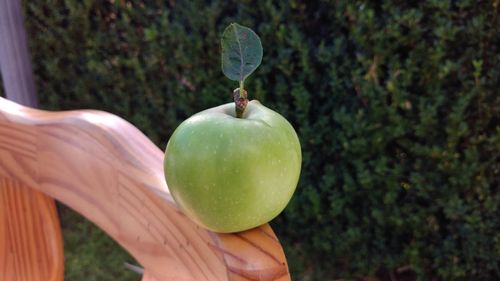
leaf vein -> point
(241, 52)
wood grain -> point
(30, 237)
(107, 170)
(148, 277)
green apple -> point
(230, 174)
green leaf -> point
(241, 52)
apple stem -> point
(241, 101)
(242, 87)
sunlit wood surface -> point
(107, 170)
(30, 238)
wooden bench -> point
(107, 170)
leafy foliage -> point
(396, 104)
(91, 255)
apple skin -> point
(231, 174)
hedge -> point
(396, 104)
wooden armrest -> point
(107, 170)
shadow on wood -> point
(30, 236)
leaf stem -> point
(242, 89)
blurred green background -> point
(396, 104)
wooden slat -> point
(30, 237)
(30, 240)
(107, 170)
(148, 277)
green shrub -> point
(91, 255)
(396, 105)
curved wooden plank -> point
(148, 277)
(30, 237)
(107, 170)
